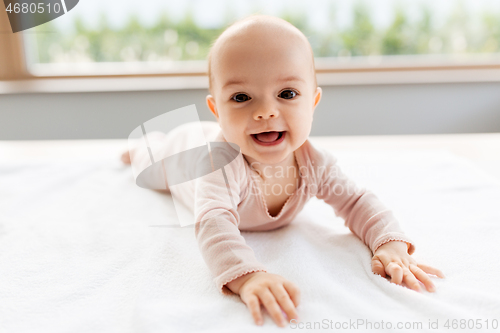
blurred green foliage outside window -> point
(168, 40)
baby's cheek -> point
(238, 140)
(302, 131)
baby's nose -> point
(265, 114)
(271, 115)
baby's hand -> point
(393, 259)
(272, 291)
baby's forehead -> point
(262, 33)
(256, 41)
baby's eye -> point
(288, 94)
(240, 98)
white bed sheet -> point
(82, 249)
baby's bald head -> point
(259, 30)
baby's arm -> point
(369, 219)
(235, 268)
(229, 258)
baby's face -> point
(264, 84)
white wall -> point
(344, 110)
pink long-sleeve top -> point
(219, 218)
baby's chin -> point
(268, 158)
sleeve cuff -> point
(233, 274)
(394, 237)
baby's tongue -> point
(267, 136)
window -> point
(124, 37)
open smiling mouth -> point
(269, 138)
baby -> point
(263, 93)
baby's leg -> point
(125, 157)
(153, 178)
(176, 141)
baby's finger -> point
(267, 298)
(431, 270)
(395, 272)
(378, 267)
(423, 277)
(284, 301)
(410, 280)
(252, 302)
(293, 291)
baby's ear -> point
(211, 105)
(317, 96)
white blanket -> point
(82, 249)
